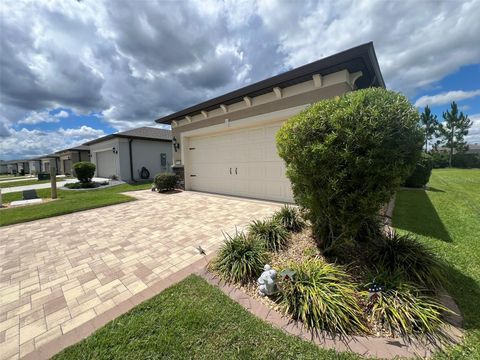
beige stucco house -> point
(68, 157)
(227, 144)
(123, 155)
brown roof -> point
(143, 133)
(360, 58)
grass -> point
(7, 184)
(193, 320)
(68, 202)
(447, 217)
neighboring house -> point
(12, 167)
(68, 157)
(124, 154)
(227, 144)
(473, 149)
(22, 165)
(48, 161)
(35, 166)
(3, 167)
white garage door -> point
(105, 164)
(243, 162)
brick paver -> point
(59, 273)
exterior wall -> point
(12, 168)
(280, 104)
(144, 153)
(147, 153)
(54, 161)
(3, 169)
(35, 166)
(107, 146)
(75, 156)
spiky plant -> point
(240, 259)
(404, 254)
(407, 312)
(323, 297)
(290, 218)
(270, 232)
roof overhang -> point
(358, 59)
(113, 136)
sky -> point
(75, 70)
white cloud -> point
(24, 143)
(38, 117)
(61, 114)
(446, 98)
(473, 136)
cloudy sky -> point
(73, 70)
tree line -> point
(450, 133)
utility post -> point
(53, 180)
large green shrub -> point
(404, 256)
(165, 182)
(84, 171)
(290, 218)
(421, 174)
(346, 156)
(323, 297)
(240, 259)
(270, 232)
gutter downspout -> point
(131, 160)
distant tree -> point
(453, 131)
(430, 124)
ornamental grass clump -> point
(403, 254)
(346, 156)
(290, 218)
(270, 232)
(407, 312)
(240, 259)
(323, 297)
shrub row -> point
(466, 161)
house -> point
(227, 144)
(23, 167)
(3, 167)
(473, 149)
(125, 154)
(12, 167)
(35, 166)
(47, 161)
(68, 157)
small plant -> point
(290, 218)
(240, 259)
(323, 297)
(407, 312)
(84, 171)
(403, 254)
(269, 232)
(165, 182)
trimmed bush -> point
(165, 182)
(323, 297)
(240, 259)
(465, 161)
(290, 218)
(269, 232)
(421, 174)
(84, 171)
(403, 254)
(407, 312)
(347, 155)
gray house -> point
(47, 161)
(227, 144)
(68, 157)
(123, 155)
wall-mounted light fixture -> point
(176, 145)
(115, 151)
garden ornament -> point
(266, 281)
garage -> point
(105, 164)
(241, 163)
(227, 144)
(67, 167)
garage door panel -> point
(252, 152)
(105, 163)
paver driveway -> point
(58, 273)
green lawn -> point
(7, 184)
(447, 217)
(193, 320)
(68, 202)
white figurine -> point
(266, 281)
